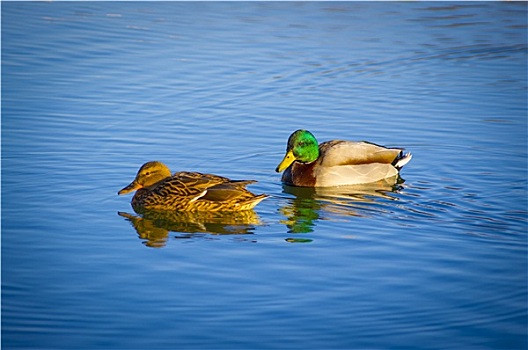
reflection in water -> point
(153, 226)
(305, 209)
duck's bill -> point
(134, 186)
(289, 158)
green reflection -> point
(302, 211)
(153, 226)
(299, 240)
(312, 204)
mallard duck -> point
(338, 163)
(156, 188)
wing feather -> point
(340, 153)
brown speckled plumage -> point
(189, 191)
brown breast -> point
(300, 174)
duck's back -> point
(338, 153)
(350, 163)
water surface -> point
(92, 90)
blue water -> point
(92, 90)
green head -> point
(302, 147)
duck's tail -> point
(401, 160)
(251, 202)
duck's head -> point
(302, 147)
(149, 174)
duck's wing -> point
(188, 184)
(210, 187)
(229, 191)
(199, 179)
(342, 153)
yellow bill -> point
(289, 158)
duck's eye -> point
(147, 173)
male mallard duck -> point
(156, 188)
(337, 163)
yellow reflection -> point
(310, 204)
(153, 226)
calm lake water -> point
(92, 90)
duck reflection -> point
(310, 204)
(154, 226)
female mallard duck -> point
(337, 163)
(156, 188)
